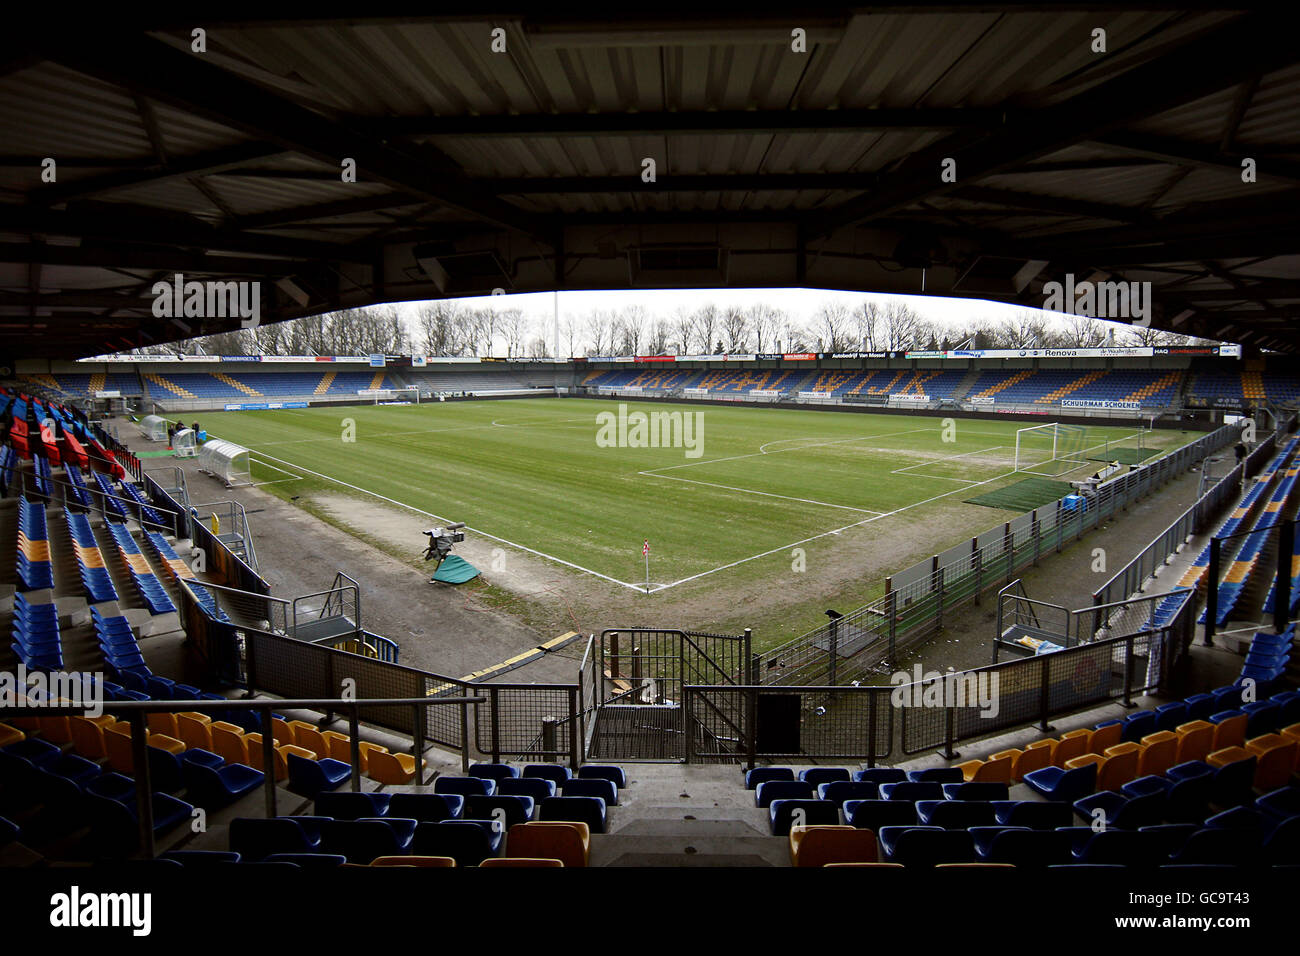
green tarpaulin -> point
(455, 570)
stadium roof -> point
(524, 169)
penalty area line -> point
(484, 534)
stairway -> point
(1150, 389)
(966, 384)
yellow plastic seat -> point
(308, 736)
(568, 842)
(1276, 758)
(815, 846)
(253, 748)
(997, 769)
(384, 767)
(1227, 755)
(163, 723)
(87, 738)
(1072, 744)
(883, 866)
(117, 747)
(1195, 740)
(1293, 733)
(520, 862)
(1036, 756)
(1159, 753)
(1102, 737)
(55, 729)
(431, 861)
(228, 742)
(169, 744)
(11, 735)
(975, 866)
(1121, 766)
(193, 728)
(1230, 733)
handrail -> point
(137, 710)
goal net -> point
(1051, 450)
(391, 395)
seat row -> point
(95, 578)
(146, 582)
(35, 634)
(180, 571)
(76, 486)
(34, 568)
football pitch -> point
(577, 481)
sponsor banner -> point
(260, 406)
(982, 400)
(903, 397)
(241, 358)
(634, 389)
(814, 394)
(800, 356)
(767, 357)
(419, 361)
(1098, 403)
(927, 354)
(448, 360)
(109, 393)
(291, 358)
(740, 358)
(695, 391)
(1230, 351)
(1118, 352)
(1013, 411)
(170, 358)
(1228, 403)
(324, 358)
(701, 358)
(765, 392)
(378, 361)
(656, 358)
(854, 355)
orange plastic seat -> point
(1227, 755)
(1195, 740)
(432, 861)
(389, 768)
(997, 769)
(162, 723)
(1276, 758)
(815, 846)
(1072, 744)
(1230, 732)
(341, 749)
(1036, 756)
(169, 744)
(1102, 737)
(11, 735)
(1121, 766)
(228, 742)
(193, 728)
(308, 736)
(87, 737)
(117, 747)
(1159, 753)
(527, 862)
(568, 842)
(975, 866)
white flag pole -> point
(645, 550)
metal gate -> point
(636, 687)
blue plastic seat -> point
(936, 775)
(1029, 848)
(763, 774)
(308, 861)
(349, 805)
(880, 775)
(911, 791)
(1135, 848)
(1057, 783)
(1138, 724)
(782, 790)
(874, 814)
(588, 810)
(554, 772)
(210, 787)
(464, 841)
(782, 814)
(197, 859)
(1218, 846)
(510, 810)
(1280, 804)
(1172, 835)
(976, 790)
(955, 814)
(256, 838)
(309, 778)
(465, 786)
(1120, 811)
(1282, 846)
(840, 790)
(603, 772)
(493, 771)
(428, 807)
(593, 787)
(926, 846)
(360, 841)
(538, 788)
(819, 775)
(1033, 814)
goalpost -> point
(1051, 450)
(381, 395)
(1055, 449)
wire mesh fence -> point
(919, 598)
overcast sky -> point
(800, 303)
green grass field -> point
(532, 473)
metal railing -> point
(136, 714)
(919, 599)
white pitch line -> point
(795, 544)
(757, 454)
(768, 494)
(926, 464)
(426, 431)
(430, 514)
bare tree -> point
(706, 322)
(899, 325)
